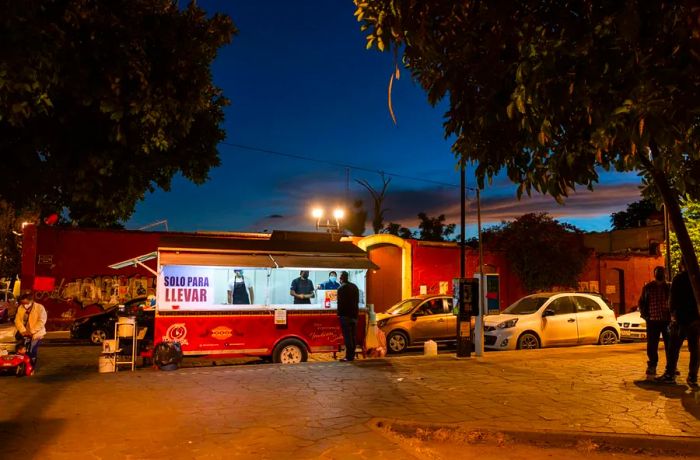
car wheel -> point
(290, 351)
(607, 337)
(528, 341)
(97, 336)
(397, 342)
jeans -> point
(33, 351)
(654, 329)
(349, 327)
(690, 332)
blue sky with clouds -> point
(301, 83)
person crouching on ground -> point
(654, 309)
(31, 323)
(348, 311)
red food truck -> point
(231, 297)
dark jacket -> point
(348, 300)
(682, 301)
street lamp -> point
(331, 224)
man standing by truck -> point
(348, 311)
(31, 323)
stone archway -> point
(392, 282)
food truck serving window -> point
(201, 288)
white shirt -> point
(36, 323)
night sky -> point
(301, 84)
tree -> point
(636, 215)
(103, 101)
(541, 251)
(399, 230)
(549, 91)
(378, 198)
(434, 228)
(357, 219)
(691, 216)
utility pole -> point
(464, 323)
(479, 324)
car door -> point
(589, 317)
(430, 322)
(560, 328)
(450, 320)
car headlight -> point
(382, 322)
(507, 324)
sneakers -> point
(651, 371)
(666, 378)
(692, 382)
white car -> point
(552, 319)
(632, 326)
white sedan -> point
(552, 319)
(632, 326)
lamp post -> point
(331, 223)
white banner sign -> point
(183, 287)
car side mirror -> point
(416, 314)
(548, 312)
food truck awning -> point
(227, 252)
(139, 260)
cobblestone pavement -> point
(323, 409)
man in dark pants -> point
(654, 309)
(348, 311)
(686, 325)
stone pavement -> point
(324, 409)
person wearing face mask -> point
(302, 288)
(240, 290)
(332, 282)
(31, 323)
(654, 309)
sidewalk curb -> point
(636, 443)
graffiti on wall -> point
(104, 290)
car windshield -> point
(526, 306)
(404, 307)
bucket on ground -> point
(430, 348)
(106, 363)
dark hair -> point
(333, 273)
(344, 274)
(26, 295)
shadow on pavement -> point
(690, 399)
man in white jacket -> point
(31, 322)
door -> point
(431, 321)
(561, 328)
(451, 320)
(384, 285)
(589, 317)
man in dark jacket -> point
(348, 311)
(685, 325)
(654, 309)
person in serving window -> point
(240, 289)
(302, 288)
(332, 282)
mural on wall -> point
(103, 290)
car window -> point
(562, 306)
(584, 304)
(432, 307)
(448, 305)
(526, 305)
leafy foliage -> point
(549, 91)
(434, 228)
(394, 228)
(103, 101)
(691, 215)
(356, 219)
(636, 215)
(543, 252)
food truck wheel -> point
(290, 351)
(397, 341)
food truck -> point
(231, 297)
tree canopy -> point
(636, 215)
(103, 101)
(550, 91)
(543, 252)
(691, 215)
(434, 228)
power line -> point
(337, 164)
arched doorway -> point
(392, 282)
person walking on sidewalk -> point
(31, 323)
(685, 325)
(654, 309)
(348, 311)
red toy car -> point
(18, 363)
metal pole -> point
(464, 337)
(667, 237)
(479, 324)
(462, 220)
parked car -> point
(416, 320)
(100, 326)
(552, 319)
(632, 326)
(8, 306)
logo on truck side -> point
(221, 333)
(176, 333)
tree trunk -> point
(675, 214)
